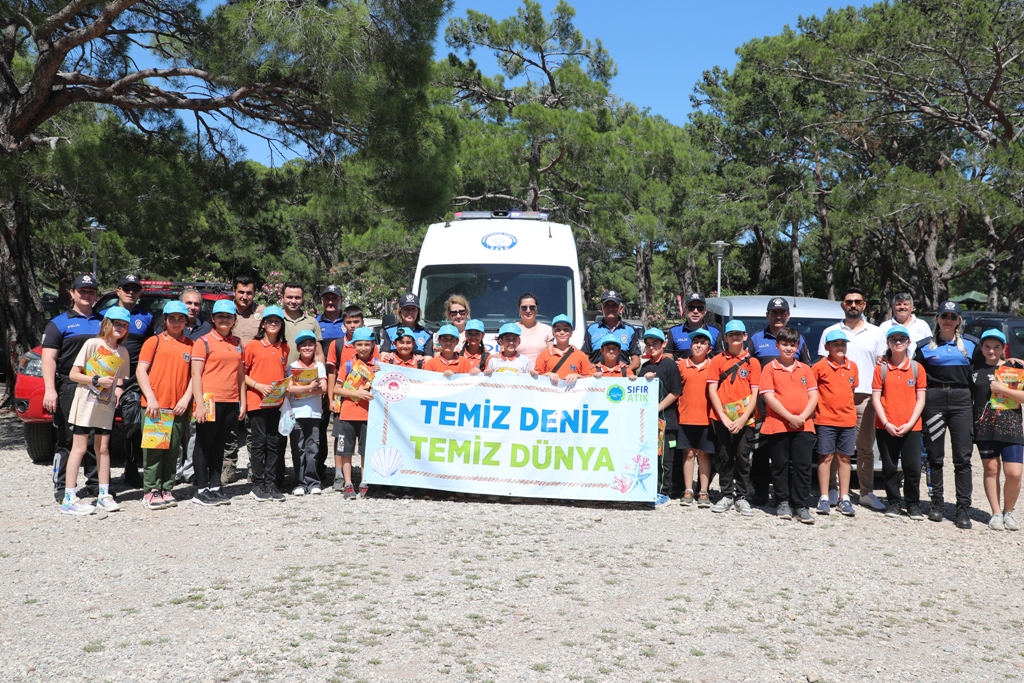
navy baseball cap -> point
(128, 280)
(611, 295)
(83, 281)
(332, 289)
(408, 299)
(695, 298)
(949, 307)
(778, 304)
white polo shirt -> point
(866, 344)
(918, 330)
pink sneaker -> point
(169, 499)
(153, 500)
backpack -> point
(913, 368)
(734, 370)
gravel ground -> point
(321, 589)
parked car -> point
(1011, 326)
(40, 437)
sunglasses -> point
(273, 321)
(527, 308)
(695, 308)
(948, 316)
(132, 290)
(898, 340)
(459, 312)
(854, 302)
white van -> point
(492, 258)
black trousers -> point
(732, 460)
(208, 460)
(666, 462)
(950, 408)
(263, 445)
(790, 454)
(905, 449)
(321, 454)
(65, 396)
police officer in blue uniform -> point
(611, 323)
(678, 343)
(947, 359)
(332, 327)
(140, 328)
(408, 316)
(63, 339)
(761, 345)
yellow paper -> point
(104, 363)
(359, 377)
(736, 408)
(276, 396)
(1013, 378)
(305, 375)
(156, 433)
(210, 406)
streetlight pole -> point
(719, 255)
(94, 229)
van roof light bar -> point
(519, 215)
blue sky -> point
(661, 48)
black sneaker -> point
(205, 498)
(914, 512)
(222, 498)
(783, 511)
(804, 515)
(260, 493)
(274, 494)
(935, 514)
(893, 510)
(963, 519)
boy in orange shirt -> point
(898, 395)
(611, 364)
(562, 361)
(836, 419)
(165, 378)
(791, 396)
(695, 435)
(733, 379)
(447, 361)
(350, 426)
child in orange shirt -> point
(898, 395)
(611, 364)
(562, 361)
(836, 419)
(791, 395)
(695, 434)
(447, 361)
(733, 379)
(350, 425)
(265, 359)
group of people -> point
(749, 408)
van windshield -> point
(493, 291)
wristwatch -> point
(95, 380)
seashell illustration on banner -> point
(386, 461)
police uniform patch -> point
(138, 324)
(624, 338)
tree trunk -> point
(1016, 276)
(991, 251)
(827, 256)
(764, 266)
(644, 286)
(855, 261)
(21, 314)
(798, 271)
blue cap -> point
(656, 333)
(561, 318)
(700, 333)
(118, 313)
(273, 310)
(475, 325)
(303, 335)
(735, 326)
(225, 306)
(364, 334)
(449, 330)
(994, 334)
(611, 339)
(402, 332)
(172, 307)
(836, 335)
(897, 329)
(510, 328)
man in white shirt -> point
(903, 314)
(867, 343)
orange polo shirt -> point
(220, 365)
(439, 364)
(899, 395)
(742, 384)
(615, 371)
(264, 363)
(693, 403)
(577, 362)
(473, 359)
(352, 410)
(170, 367)
(836, 384)
(792, 386)
(412, 361)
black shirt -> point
(671, 383)
(990, 424)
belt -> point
(946, 385)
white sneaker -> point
(76, 507)
(107, 503)
(298, 491)
(1010, 522)
(315, 491)
(871, 501)
(996, 523)
(833, 497)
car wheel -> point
(40, 440)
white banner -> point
(514, 435)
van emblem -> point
(499, 241)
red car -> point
(40, 438)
